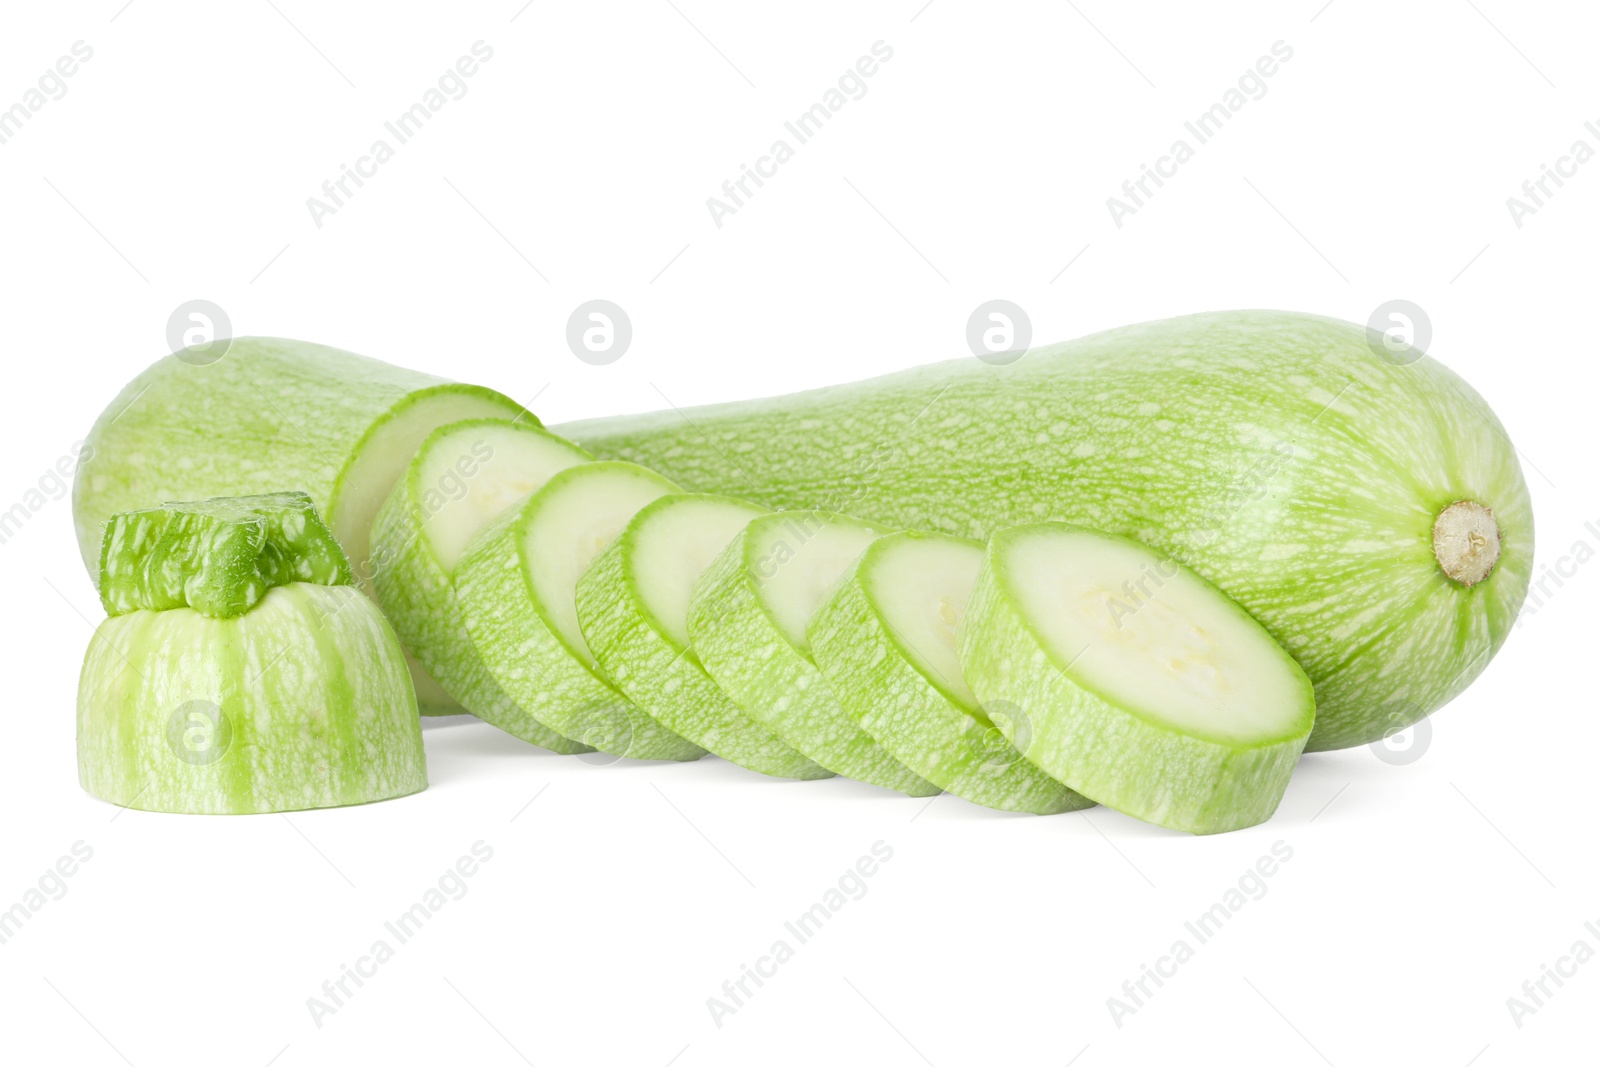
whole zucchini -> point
(1369, 511)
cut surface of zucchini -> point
(1134, 680)
(464, 475)
(633, 604)
(747, 621)
(886, 642)
(517, 582)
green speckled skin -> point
(775, 682)
(1141, 767)
(270, 415)
(1275, 453)
(916, 719)
(665, 677)
(545, 678)
(310, 683)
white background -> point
(1377, 166)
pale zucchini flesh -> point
(385, 453)
(747, 622)
(886, 642)
(633, 606)
(464, 476)
(516, 582)
(1134, 680)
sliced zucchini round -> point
(516, 581)
(1134, 680)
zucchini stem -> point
(1466, 542)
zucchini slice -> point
(517, 585)
(1136, 682)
